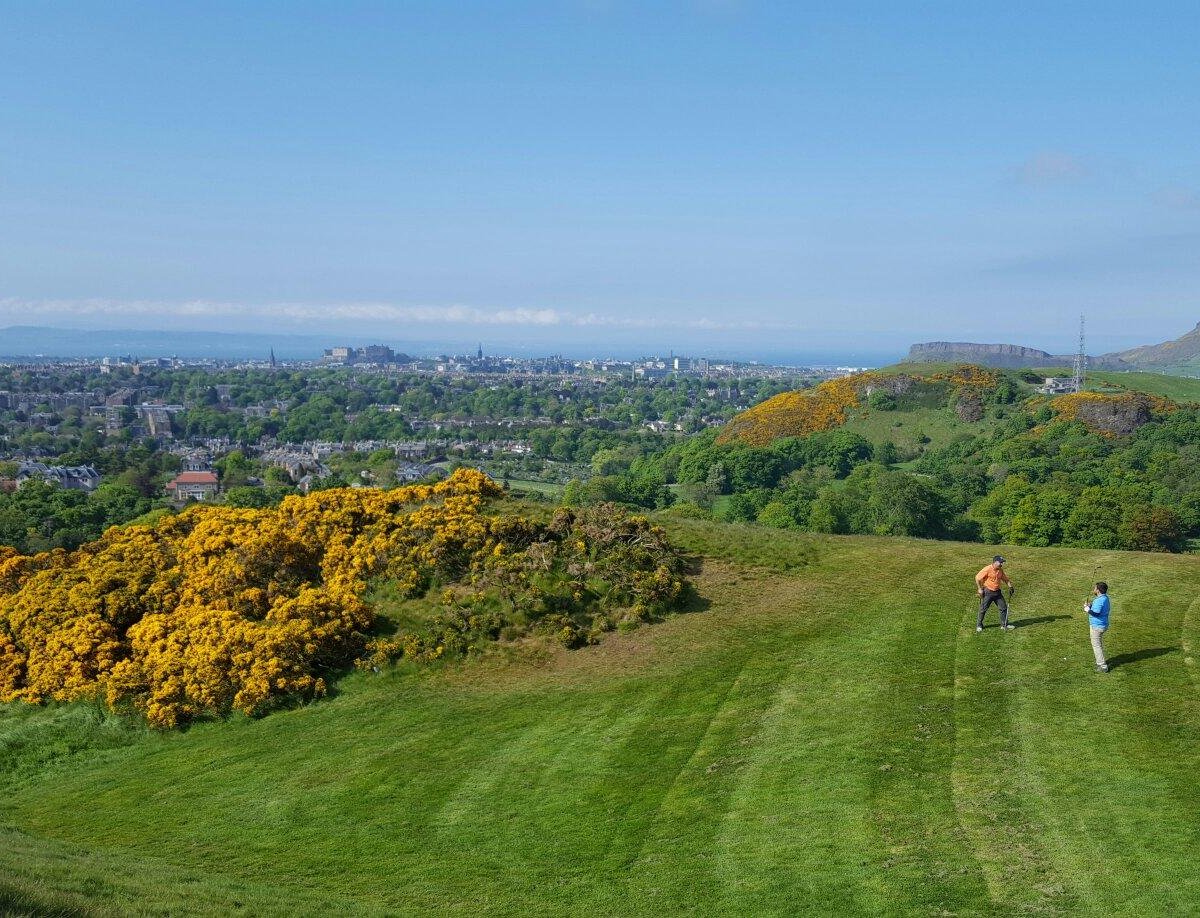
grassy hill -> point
(1181, 355)
(824, 732)
(927, 423)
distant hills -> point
(1008, 356)
(1181, 354)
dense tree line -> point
(40, 516)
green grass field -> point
(824, 733)
(1177, 388)
(527, 485)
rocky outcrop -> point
(1117, 415)
(900, 384)
(1007, 356)
(969, 406)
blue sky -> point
(704, 174)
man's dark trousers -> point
(989, 597)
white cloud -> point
(1050, 167)
(32, 311)
(1178, 197)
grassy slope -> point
(941, 425)
(829, 734)
(904, 428)
(1189, 368)
(1177, 388)
(537, 487)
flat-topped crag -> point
(1009, 356)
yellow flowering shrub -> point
(571, 579)
(827, 405)
(221, 609)
(969, 376)
(797, 413)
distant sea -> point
(35, 341)
(31, 341)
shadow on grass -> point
(1040, 620)
(691, 601)
(1123, 659)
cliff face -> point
(1008, 356)
(991, 355)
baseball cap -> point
(999, 558)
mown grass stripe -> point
(927, 864)
(997, 803)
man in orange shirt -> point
(989, 583)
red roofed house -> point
(193, 486)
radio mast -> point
(1080, 360)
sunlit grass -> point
(824, 733)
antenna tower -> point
(1080, 360)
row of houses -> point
(70, 477)
(198, 482)
(496, 448)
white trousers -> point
(1098, 644)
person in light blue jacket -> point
(1097, 609)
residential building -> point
(124, 397)
(188, 486)
(406, 472)
(71, 477)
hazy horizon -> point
(51, 342)
(62, 342)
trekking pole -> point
(1088, 602)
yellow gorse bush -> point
(826, 406)
(799, 413)
(220, 609)
(969, 376)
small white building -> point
(1057, 385)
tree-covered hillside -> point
(959, 453)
